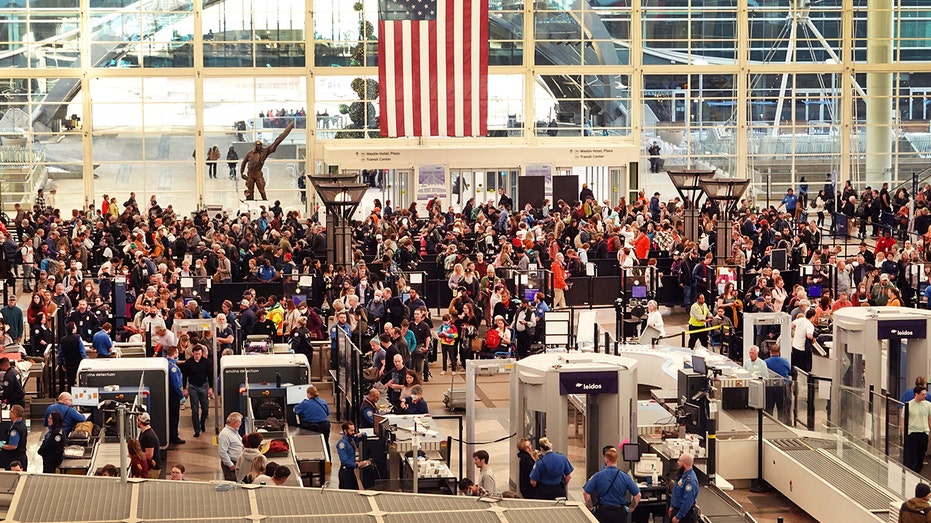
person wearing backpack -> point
(917, 509)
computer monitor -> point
(530, 294)
(814, 291)
(380, 426)
(638, 291)
(631, 452)
(698, 365)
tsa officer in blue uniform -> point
(314, 414)
(14, 449)
(551, 473)
(175, 393)
(606, 492)
(346, 448)
(684, 493)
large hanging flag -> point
(433, 67)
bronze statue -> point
(255, 160)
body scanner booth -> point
(882, 347)
(543, 385)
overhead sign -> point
(596, 382)
(890, 329)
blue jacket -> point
(684, 493)
(70, 416)
(550, 469)
(174, 377)
(346, 449)
(312, 410)
(102, 344)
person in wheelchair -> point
(497, 339)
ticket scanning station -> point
(882, 347)
(605, 386)
(124, 380)
(765, 329)
(262, 379)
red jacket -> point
(559, 276)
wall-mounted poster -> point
(431, 181)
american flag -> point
(433, 67)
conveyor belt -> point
(815, 457)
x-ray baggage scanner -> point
(603, 386)
(272, 370)
(120, 379)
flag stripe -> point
(383, 29)
(480, 79)
(465, 128)
(400, 60)
(423, 80)
(433, 80)
(433, 68)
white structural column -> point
(635, 87)
(879, 47)
(846, 96)
(310, 157)
(743, 88)
(87, 115)
(200, 150)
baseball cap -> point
(244, 303)
(144, 418)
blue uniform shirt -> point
(334, 334)
(600, 487)
(346, 449)
(368, 414)
(174, 377)
(779, 365)
(70, 416)
(17, 434)
(550, 469)
(102, 344)
(684, 493)
(312, 410)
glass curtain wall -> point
(109, 96)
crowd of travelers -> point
(68, 263)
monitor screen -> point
(638, 291)
(405, 297)
(631, 452)
(814, 291)
(530, 294)
(380, 426)
(698, 365)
